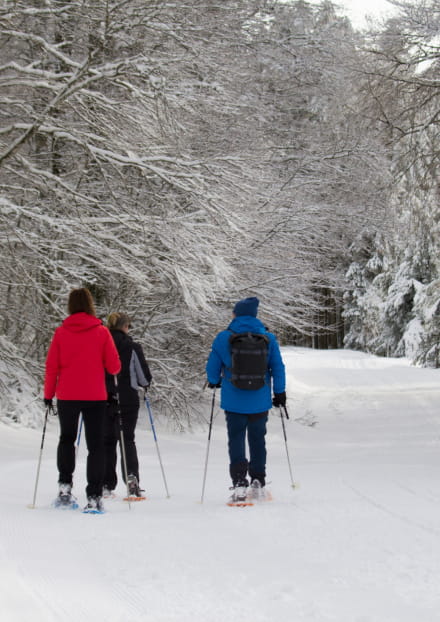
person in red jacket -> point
(81, 351)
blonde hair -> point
(117, 320)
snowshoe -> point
(65, 499)
(94, 505)
(258, 493)
(107, 493)
(135, 493)
(239, 496)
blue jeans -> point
(255, 426)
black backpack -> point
(249, 354)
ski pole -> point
(150, 415)
(207, 447)
(32, 505)
(285, 443)
(78, 438)
(122, 442)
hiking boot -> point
(133, 487)
(257, 491)
(107, 493)
(65, 498)
(65, 490)
(239, 492)
(94, 505)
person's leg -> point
(236, 425)
(129, 421)
(111, 435)
(68, 415)
(257, 447)
(93, 415)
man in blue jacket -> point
(246, 410)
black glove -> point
(213, 385)
(279, 399)
(145, 388)
(48, 403)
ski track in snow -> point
(358, 541)
(385, 507)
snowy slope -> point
(358, 541)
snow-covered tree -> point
(98, 187)
(174, 157)
(400, 81)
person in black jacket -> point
(134, 373)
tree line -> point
(175, 157)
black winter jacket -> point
(134, 371)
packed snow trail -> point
(358, 541)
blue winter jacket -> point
(219, 365)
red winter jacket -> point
(82, 350)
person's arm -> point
(214, 365)
(52, 368)
(112, 362)
(276, 367)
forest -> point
(174, 157)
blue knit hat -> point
(248, 306)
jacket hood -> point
(79, 322)
(247, 323)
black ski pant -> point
(112, 436)
(93, 413)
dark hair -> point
(81, 300)
(117, 320)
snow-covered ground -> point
(358, 541)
